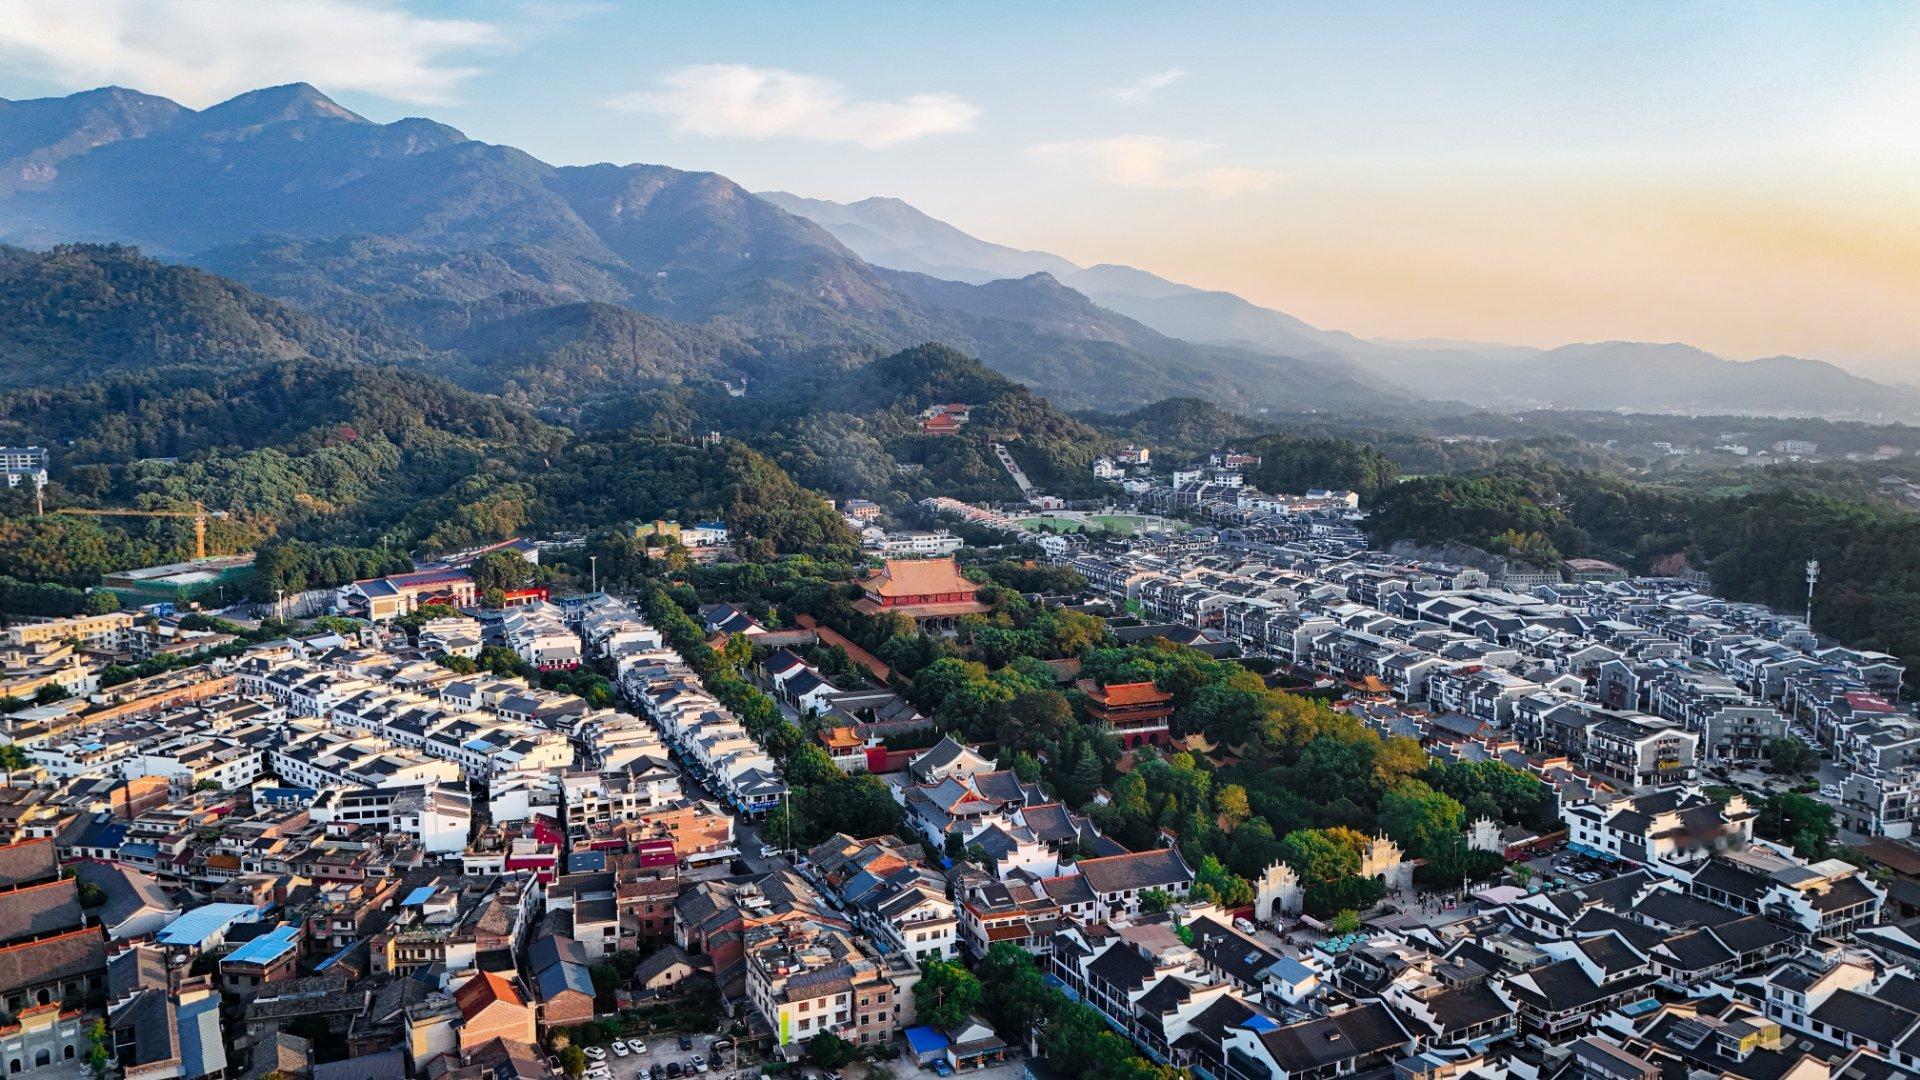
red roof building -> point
(926, 590)
(1138, 713)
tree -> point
(573, 1061)
(1346, 922)
(946, 994)
(1326, 897)
(1803, 823)
(1035, 720)
(462, 665)
(99, 1049)
(1318, 856)
(1231, 804)
(1017, 996)
(1225, 888)
(1421, 820)
(1155, 901)
(12, 759)
(830, 1051)
(1791, 757)
(736, 654)
(207, 785)
(101, 602)
(503, 570)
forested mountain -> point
(390, 228)
(81, 312)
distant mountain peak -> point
(277, 104)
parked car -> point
(1589, 877)
(686, 1041)
(620, 1049)
(719, 1045)
(673, 1070)
(941, 1068)
(637, 1046)
(595, 1052)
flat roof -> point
(203, 922)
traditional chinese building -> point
(1138, 713)
(925, 590)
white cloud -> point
(1152, 161)
(1142, 89)
(201, 51)
(766, 103)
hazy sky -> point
(1745, 177)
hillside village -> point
(722, 841)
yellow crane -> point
(199, 514)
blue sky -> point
(1742, 176)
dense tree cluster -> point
(1291, 463)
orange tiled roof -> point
(918, 577)
(482, 990)
(1133, 693)
(840, 738)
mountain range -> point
(412, 231)
(1637, 376)
(570, 285)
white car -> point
(1829, 791)
(620, 1049)
(636, 1046)
(594, 1052)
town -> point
(443, 829)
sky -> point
(1743, 177)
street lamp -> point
(593, 562)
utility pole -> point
(593, 563)
(1813, 575)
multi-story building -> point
(806, 978)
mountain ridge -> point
(1483, 374)
(398, 227)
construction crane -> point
(199, 514)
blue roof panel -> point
(266, 948)
(196, 926)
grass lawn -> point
(1125, 524)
